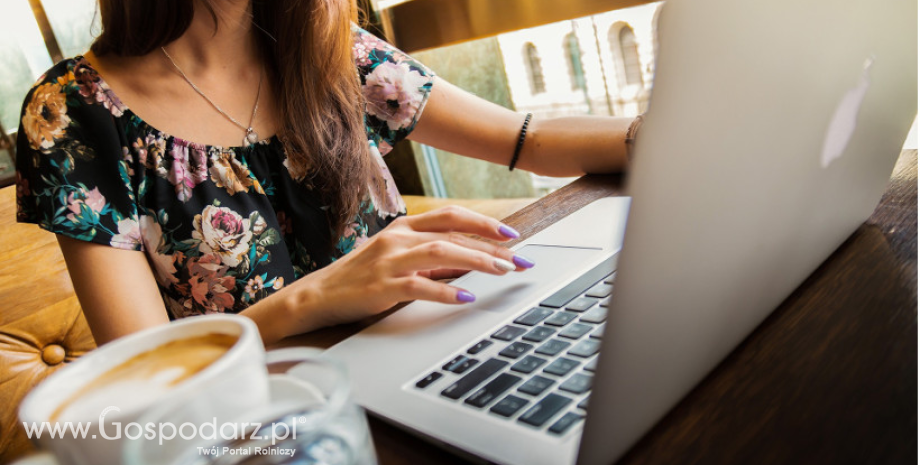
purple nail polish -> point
(464, 296)
(509, 232)
(523, 262)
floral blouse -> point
(222, 227)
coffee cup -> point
(84, 412)
(312, 419)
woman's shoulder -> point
(63, 100)
(60, 72)
(76, 82)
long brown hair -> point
(307, 45)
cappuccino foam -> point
(145, 377)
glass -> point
(312, 420)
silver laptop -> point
(772, 131)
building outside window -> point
(576, 70)
(626, 50)
(534, 69)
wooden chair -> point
(41, 324)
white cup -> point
(235, 383)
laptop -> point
(772, 131)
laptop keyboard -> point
(536, 370)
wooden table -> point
(829, 377)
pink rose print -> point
(222, 232)
(94, 90)
(189, 168)
(92, 199)
(129, 235)
(392, 93)
(163, 264)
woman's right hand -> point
(401, 263)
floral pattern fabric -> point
(222, 227)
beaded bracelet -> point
(520, 142)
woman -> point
(297, 231)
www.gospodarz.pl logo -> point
(165, 431)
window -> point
(626, 53)
(573, 55)
(534, 69)
(75, 24)
(24, 58)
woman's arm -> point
(116, 288)
(119, 294)
(460, 122)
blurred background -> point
(547, 58)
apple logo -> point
(844, 121)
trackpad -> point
(554, 265)
(495, 295)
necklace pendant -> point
(251, 137)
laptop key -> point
(460, 364)
(574, 289)
(463, 366)
(553, 347)
(563, 424)
(592, 365)
(606, 302)
(479, 347)
(516, 349)
(561, 318)
(534, 316)
(540, 413)
(600, 290)
(576, 331)
(584, 403)
(598, 332)
(473, 378)
(426, 381)
(509, 405)
(595, 315)
(609, 279)
(578, 384)
(528, 364)
(586, 348)
(453, 361)
(539, 334)
(536, 385)
(561, 366)
(493, 389)
(581, 304)
(509, 333)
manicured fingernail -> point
(464, 296)
(504, 265)
(508, 232)
(523, 262)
